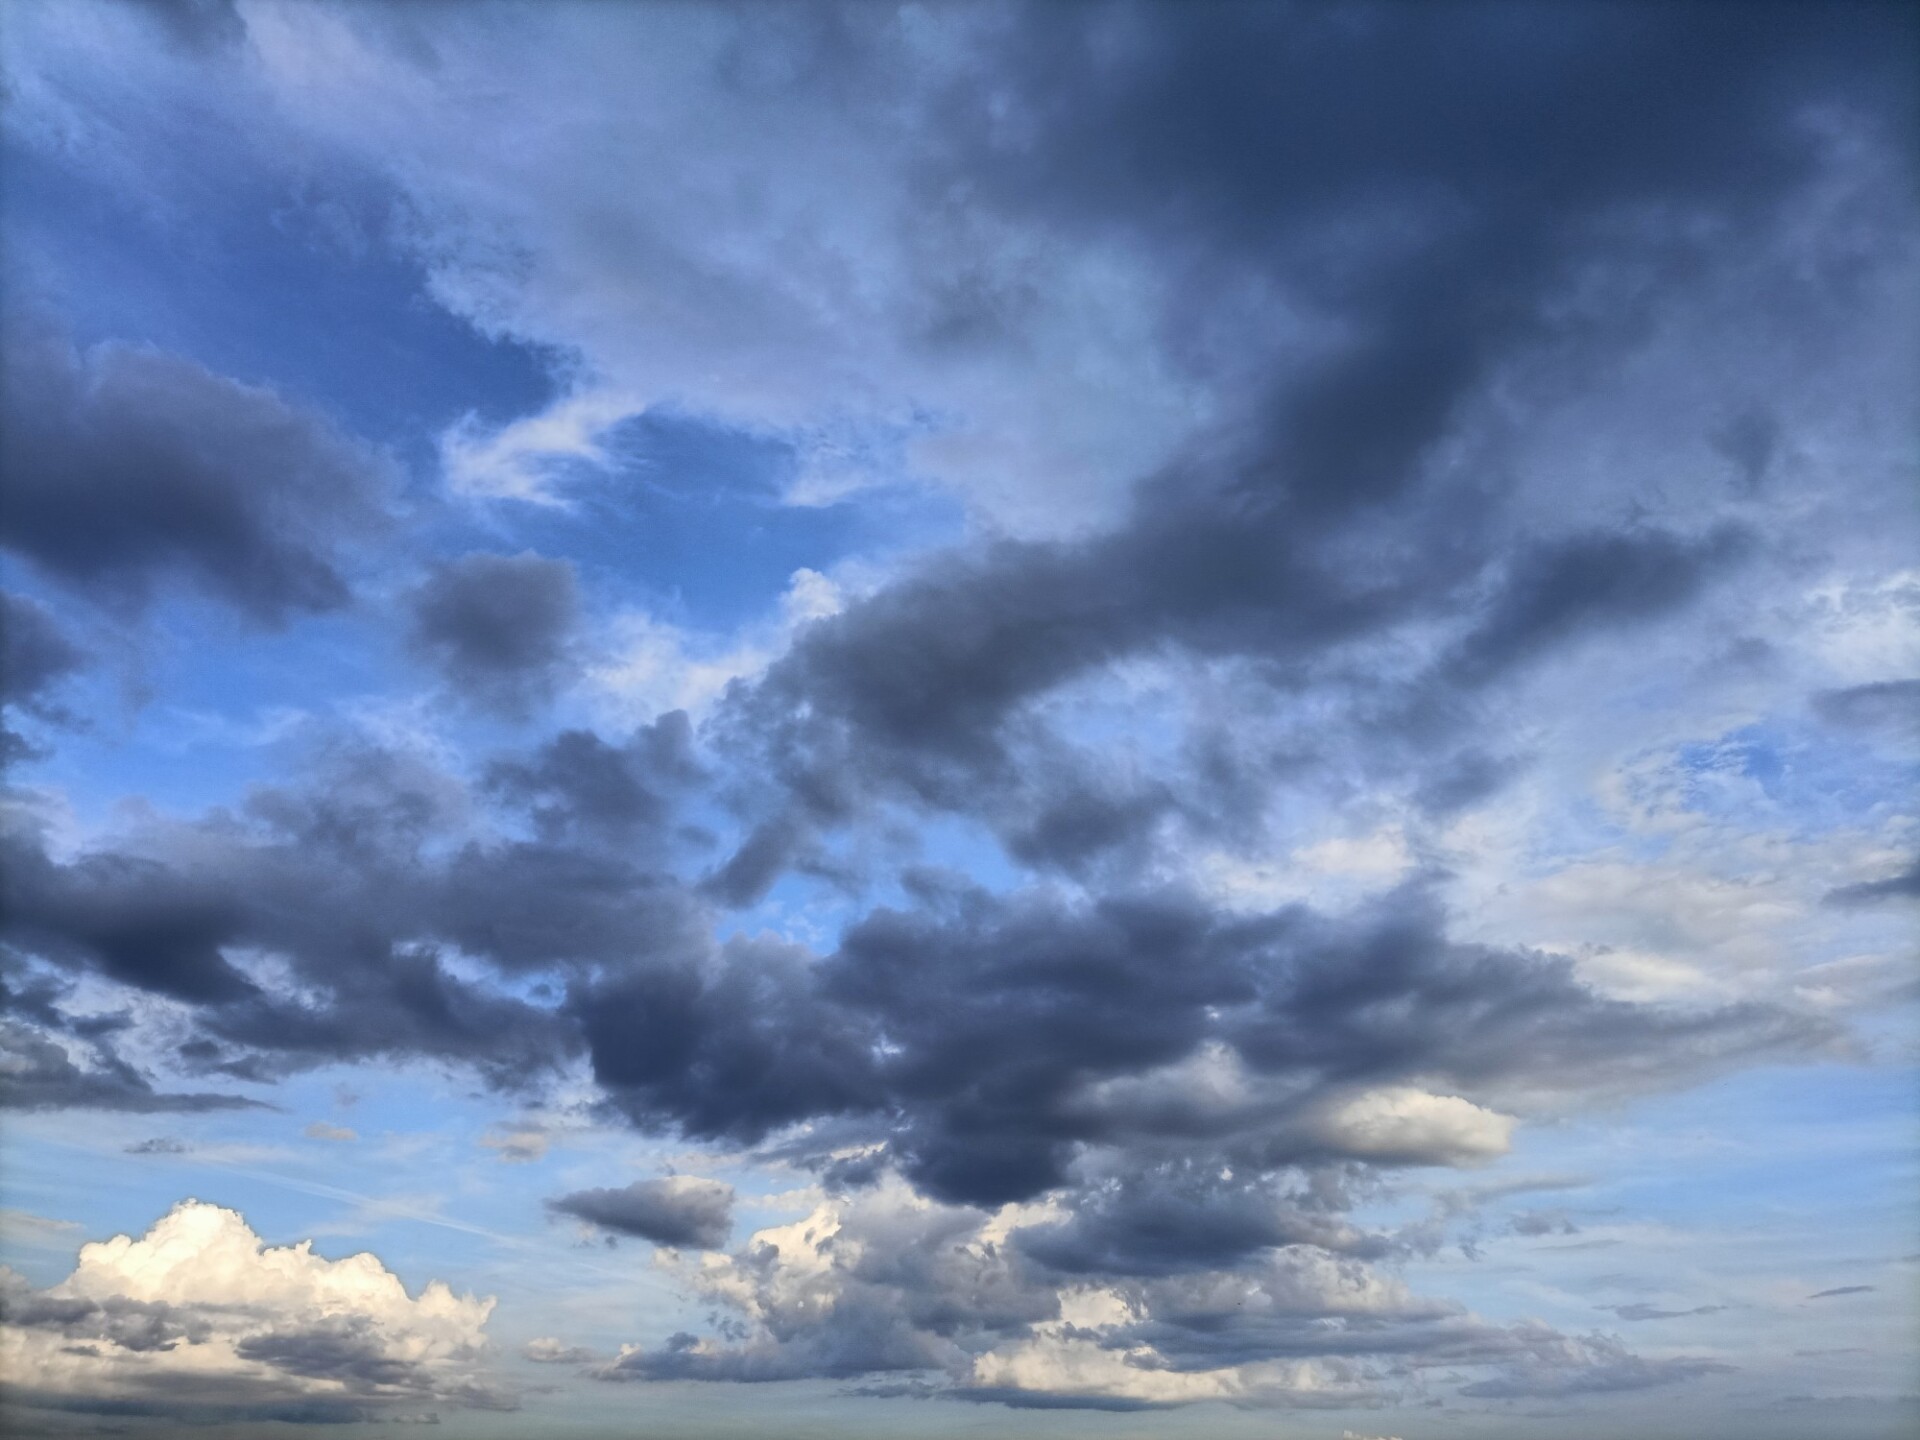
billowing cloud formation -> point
(198, 1318)
(1410, 669)
(679, 1211)
(127, 467)
(890, 1282)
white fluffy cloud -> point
(1401, 1125)
(199, 1318)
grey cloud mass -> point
(35, 656)
(680, 1210)
(497, 626)
(127, 467)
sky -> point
(951, 720)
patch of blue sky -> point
(353, 329)
(1850, 1127)
(688, 518)
(1779, 773)
(233, 696)
(1686, 1204)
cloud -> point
(1598, 1366)
(23, 1227)
(37, 1072)
(35, 657)
(158, 1145)
(1311, 558)
(517, 1144)
(321, 1130)
(889, 1282)
(678, 1211)
(128, 468)
(1556, 590)
(198, 1318)
(546, 1350)
(498, 627)
(36, 654)
(1840, 1290)
(1654, 1312)
(1543, 1222)
(1903, 886)
(134, 919)
(1404, 1125)
(1887, 706)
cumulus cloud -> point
(127, 468)
(497, 626)
(679, 1211)
(1404, 1125)
(887, 1282)
(199, 1318)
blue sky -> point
(959, 719)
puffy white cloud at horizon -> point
(198, 1315)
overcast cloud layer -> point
(754, 719)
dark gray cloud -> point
(345, 1350)
(40, 1074)
(134, 1325)
(1644, 1311)
(1180, 1216)
(350, 879)
(972, 1032)
(35, 656)
(499, 627)
(579, 786)
(159, 1145)
(126, 468)
(1904, 885)
(678, 1211)
(1556, 590)
(1001, 1018)
(1840, 1290)
(1242, 140)
(1889, 706)
(133, 919)
(1543, 1222)
(34, 653)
